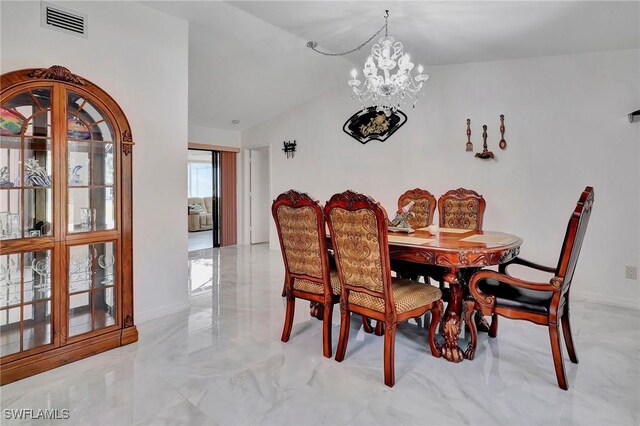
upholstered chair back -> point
(423, 208)
(300, 225)
(461, 208)
(358, 227)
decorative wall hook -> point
(485, 154)
(469, 144)
(634, 116)
(290, 148)
(502, 144)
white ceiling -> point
(248, 60)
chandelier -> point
(388, 81)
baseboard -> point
(605, 300)
(161, 311)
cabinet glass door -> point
(91, 163)
(26, 159)
(25, 301)
(92, 284)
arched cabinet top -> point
(16, 80)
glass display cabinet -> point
(66, 281)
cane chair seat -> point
(407, 294)
(316, 287)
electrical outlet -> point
(631, 272)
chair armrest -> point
(487, 301)
(519, 261)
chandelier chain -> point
(313, 44)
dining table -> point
(455, 250)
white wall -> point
(140, 57)
(213, 136)
(566, 127)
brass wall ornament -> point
(469, 144)
(502, 144)
(485, 154)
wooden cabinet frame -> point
(63, 348)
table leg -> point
(452, 318)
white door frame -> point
(247, 189)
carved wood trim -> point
(128, 321)
(127, 142)
(57, 72)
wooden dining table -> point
(455, 250)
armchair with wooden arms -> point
(543, 303)
(358, 228)
(301, 230)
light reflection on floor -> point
(222, 362)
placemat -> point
(455, 230)
(488, 239)
(409, 240)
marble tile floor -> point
(200, 240)
(222, 362)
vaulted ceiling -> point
(248, 60)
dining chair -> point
(423, 211)
(423, 208)
(301, 230)
(358, 228)
(543, 303)
(461, 208)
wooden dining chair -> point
(423, 208)
(358, 228)
(543, 303)
(423, 211)
(461, 208)
(301, 230)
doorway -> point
(259, 205)
(203, 180)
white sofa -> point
(200, 211)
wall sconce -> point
(290, 148)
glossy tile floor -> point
(200, 240)
(222, 362)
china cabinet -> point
(66, 281)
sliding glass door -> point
(203, 180)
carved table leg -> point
(451, 327)
(316, 310)
(469, 311)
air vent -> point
(62, 19)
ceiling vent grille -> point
(61, 19)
